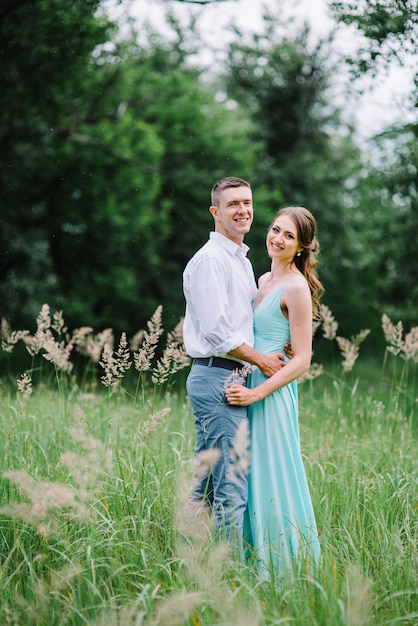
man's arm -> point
(269, 364)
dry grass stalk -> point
(91, 461)
(329, 323)
(60, 579)
(87, 466)
(410, 346)
(58, 353)
(115, 365)
(393, 334)
(146, 351)
(43, 496)
(350, 348)
(204, 462)
(151, 425)
(359, 603)
(177, 608)
(9, 338)
(174, 358)
(24, 385)
(406, 348)
(58, 323)
(91, 345)
(240, 453)
(238, 376)
(314, 371)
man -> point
(219, 288)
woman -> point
(280, 523)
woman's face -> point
(282, 239)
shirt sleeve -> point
(210, 301)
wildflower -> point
(350, 349)
(329, 324)
(24, 386)
(393, 334)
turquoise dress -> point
(279, 525)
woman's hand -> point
(288, 350)
(239, 395)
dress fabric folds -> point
(279, 526)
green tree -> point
(109, 156)
(390, 29)
(45, 49)
(307, 156)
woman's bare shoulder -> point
(263, 279)
(297, 286)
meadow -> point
(97, 444)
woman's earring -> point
(298, 254)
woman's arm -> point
(297, 301)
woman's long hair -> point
(306, 262)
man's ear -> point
(214, 211)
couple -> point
(229, 324)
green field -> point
(93, 485)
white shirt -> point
(219, 288)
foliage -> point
(45, 49)
(389, 26)
(94, 174)
(398, 275)
(385, 197)
(111, 141)
(306, 155)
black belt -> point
(217, 361)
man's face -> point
(234, 216)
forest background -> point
(112, 133)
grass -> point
(93, 527)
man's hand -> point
(268, 364)
(271, 363)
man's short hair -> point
(226, 183)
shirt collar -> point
(228, 245)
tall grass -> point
(96, 469)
